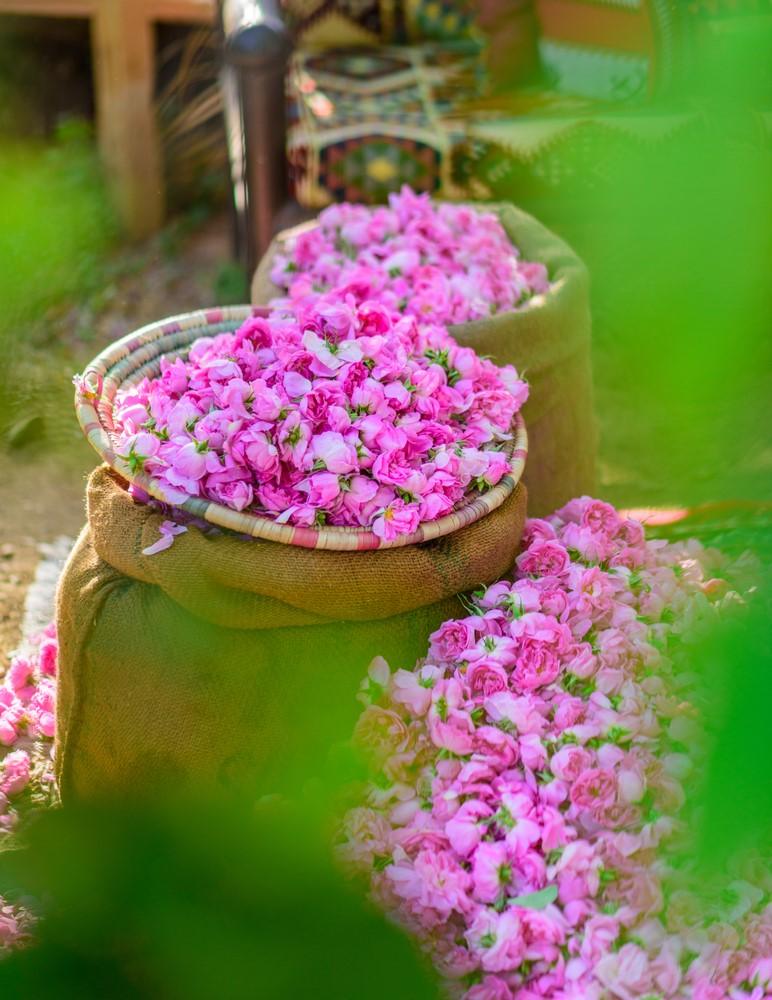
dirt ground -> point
(42, 482)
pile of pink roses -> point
(27, 699)
(337, 414)
(523, 816)
(446, 262)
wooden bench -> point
(123, 50)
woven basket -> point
(138, 356)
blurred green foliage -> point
(736, 792)
(195, 899)
(57, 225)
(675, 225)
(731, 791)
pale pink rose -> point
(666, 969)
(594, 787)
(543, 558)
(456, 734)
(600, 518)
(367, 834)
(537, 664)
(582, 662)
(337, 455)
(14, 772)
(466, 828)
(704, 989)
(414, 690)
(380, 732)
(452, 640)
(189, 462)
(497, 939)
(627, 972)
(592, 548)
(236, 494)
(544, 931)
(322, 489)
(533, 753)
(569, 712)
(600, 932)
(491, 988)
(521, 713)
(496, 748)
(537, 529)
(9, 927)
(491, 871)
(485, 678)
(21, 676)
(569, 762)
(253, 448)
(434, 881)
(398, 518)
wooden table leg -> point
(123, 46)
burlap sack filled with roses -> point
(549, 342)
(225, 659)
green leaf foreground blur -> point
(732, 792)
(57, 225)
(735, 791)
(198, 899)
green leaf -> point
(536, 900)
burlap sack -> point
(227, 659)
(550, 344)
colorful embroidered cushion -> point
(329, 23)
(364, 122)
(341, 23)
(439, 20)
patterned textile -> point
(364, 122)
(539, 154)
(337, 23)
(439, 20)
(608, 50)
(328, 23)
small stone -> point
(7, 551)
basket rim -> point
(112, 367)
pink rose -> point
(466, 828)
(594, 788)
(491, 988)
(452, 640)
(398, 518)
(253, 448)
(568, 763)
(537, 664)
(491, 871)
(543, 558)
(600, 518)
(414, 690)
(485, 678)
(434, 881)
(627, 972)
(600, 933)
(497, 939)
(14, 772)
(322, 489)
(236, 494)
(334, 452)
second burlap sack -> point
(549, 342)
